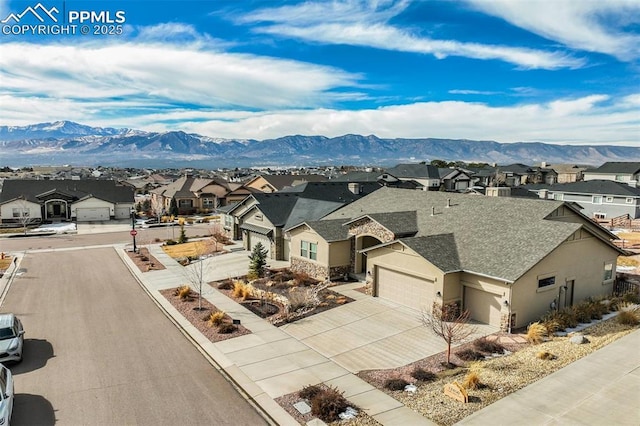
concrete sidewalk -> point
(602, 388)
(268, 363)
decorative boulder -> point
(578, 339)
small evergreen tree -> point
(183, 235)
(173, 208)
(257, 260)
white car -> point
(6, 395)
(11, 338)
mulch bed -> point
(145, 261)
(199, 318)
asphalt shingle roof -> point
(419, 170)
(622, 167)
(330, 230)
(108, 190)
(400, 223)
(598, 187)
(493, 236)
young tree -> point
(196, 271)
(24, 212)
(183, 235)
(449, 323)
(157, 208)
(173, 208)
(257, 260)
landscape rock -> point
(578, 339)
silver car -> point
(6, 395)
(11, 338)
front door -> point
(566, 294)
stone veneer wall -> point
(313, 269)
(504, 321)
(339, 271)
(370, 227)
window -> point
(207, 202)
(608, 271)
(629, 200)
(258, 217)
(608, 200)
(185, 203)
(309, 250)
(599, 215)
(546, 282)
(596, 199)
(558, 197)
(20, 212)
(619, 178)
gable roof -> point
(613, 167)
(330, 230)
(492, 236)
(415, 171)
(283, 181)
(108, 190)
(400, 223)
(596, 186)
(357, 176)
(332, 190)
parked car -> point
(6, 395)
(11, 338)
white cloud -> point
(595, 119)
(362, 23)
(589, 25)
(164, 73)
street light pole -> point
(133, 229)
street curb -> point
(236, 377)
(5, 289)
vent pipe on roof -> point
(448, 202)
(433, 211)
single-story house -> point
(54, 200)
(274, 183)
(506, 260)
(263, 217)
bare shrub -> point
(215, 319)
(328, 404)
(488, 346)
(395, 384)
(423, 375)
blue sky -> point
(504, 70)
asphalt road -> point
(99, 352)
(145, 236)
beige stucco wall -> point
(6, 210)
(401, 258)
(580, 260)
(339, 253)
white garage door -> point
(92, 214)
(123, 212)
(255, 238)
(408, 290)
(484, 306)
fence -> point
(622, 286)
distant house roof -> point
(597, 186)
(500, 237)
(517, 168)
(108, 190)
(358, 177)
(332, 191)
(620, 167)
(415, 171)
(283, 181)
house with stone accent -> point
(263, 217)
(506, 260)
(198, 195)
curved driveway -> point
(98, 351)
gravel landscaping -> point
(498, 376)
(199, 318)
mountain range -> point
(66, 142)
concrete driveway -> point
(371, 333)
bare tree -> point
(157, 208)
(195, 272)
(24, 213)
(449, 323)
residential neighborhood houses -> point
(417, 233)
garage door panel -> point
(255, 238)
(405, 289)
(92, 214)
(483, 306)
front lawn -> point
(192, 249)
